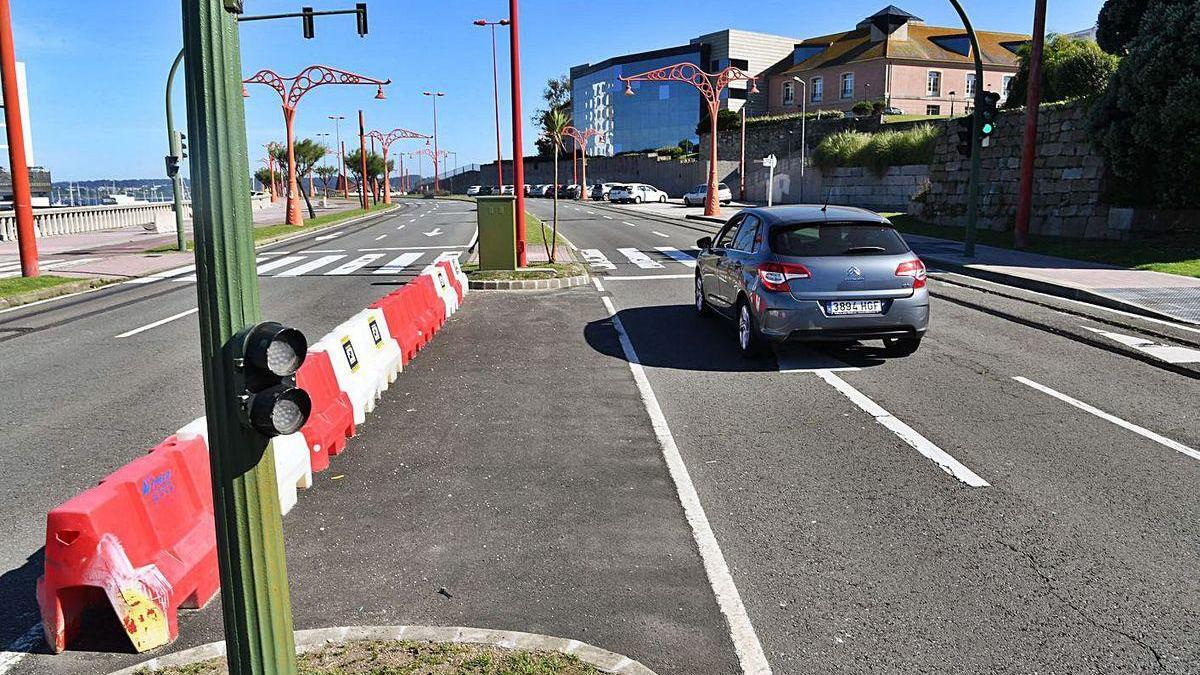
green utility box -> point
(497, 232)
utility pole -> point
(175, 150)
(17, 164)
(254, 585)
(362, 153)
(976, 159)
(1029, 148)
(517, 122)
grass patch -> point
(877, 151)
(18, 285)
(537, 232)
(551, 271)
(408, 657)
(1175, 255)
(283, 229)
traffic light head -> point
(306, 18)
(987, 106)
(965, 130)
(172, 166)
(271, 353)
(360, 11)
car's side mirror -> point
(704, 243)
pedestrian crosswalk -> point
(656, 258)
(282, 264)
(11, 267)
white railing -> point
(80, 219)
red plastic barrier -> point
(429, 298)
(142, 542)
(332, 418)
(402, 324)
(454, 283)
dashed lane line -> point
(160, 322)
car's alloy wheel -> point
(662, 199)
(637, 200)
(701, 305)
(744, 328)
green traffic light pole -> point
(174, 151)
(973, 185)
(253, 570)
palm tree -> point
(553, 124)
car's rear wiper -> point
(864, 249)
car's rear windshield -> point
(823, 239)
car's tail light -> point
(913, 268)
(775, 276)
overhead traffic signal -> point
(966, 130)
(986, 104)
(306, 18)
(360, 11)
(271, 353)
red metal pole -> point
(742, 164)
(387, 178)
(574, 161)
(345, 175)
(294, 215)
(362, 153)
(496, 95)
(437, 184)
(19, 167)
(1029, 149)
(712, 205)
(271, 164)
(517, 121)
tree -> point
(1070, 69)
(325, 173)
(727, 120)
(1146, 122)
(263, 176)
(553, 126)
(1118, 24)
(375, 168)
(557, 96)
(307, 152)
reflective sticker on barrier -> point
(139, 597)
(376, 334)
(351, 357)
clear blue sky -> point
(97, 69)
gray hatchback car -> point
(816, 273)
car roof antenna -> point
(828, 196)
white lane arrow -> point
(434, 232)
(1168, 353)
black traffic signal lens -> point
(275, 348)
(279, 410)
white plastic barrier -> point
(365, 359)
(293, 468)
(452, 258)
(445, 291)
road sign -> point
(770, 161)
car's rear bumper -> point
(807, 321)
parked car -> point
(506, 190)
(527, 189)
(813, 273)
(636, 193)
(698, 194)
(544, 191)
(600, 191)
(474, 190)
(568, 191)
(893, 111)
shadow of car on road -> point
(673, 336)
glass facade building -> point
(659, 114)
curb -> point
(529, 284)
(21, 299)
(312, 640)
(1048, 288)
(707, 219)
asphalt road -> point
(694, 511)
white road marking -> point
(354, 265)
(1139, 430)
(165, 274)
(59, 264)
(1168, 353)
(596, 259)
(310, 266)
(434, 232)
(277, 263)
(398, 263)
(647, 277)
(158, 323)
(311, 250)
(608, 217)
(628, 223)
(596, 283)
(380, 237)
(640, 259)
(677, 255)
(401, 227)
(664, 236)
(413, 220)
(16, 651)
(414, 248)
(906, 433)
(741, 630)
(327, 237)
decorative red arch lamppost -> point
(432, 154)
(710, 86)
(308, 79)
(386, 140)
(581, 140)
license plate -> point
(856, 307)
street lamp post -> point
(307, 80)
(363, 180)
(337, 130)
(496, 96)
(435, 95)
(803, 129)
(710, 86)
(271, 165)
(385, 142)
(581, 139)
(17, 163)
